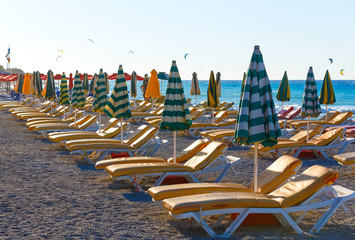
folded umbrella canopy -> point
(176, 115)
(257, 120)
(195, 87)
(77, 95)
(134, 88)
(118, 105)
(212, 96)
(284, 94)
(153, 87)
(26, 84)
(310, 103)
(327, 95)
(100, 96)
(48, 91)
(63, 94)
(219, 85)
(19, 85)
(38, 84)
(85, 83)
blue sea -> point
(344, 92)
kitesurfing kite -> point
(342, 72)
(91, 41)
(186, 55)
(331, 60)
(61, 51)
(130, 51)
(57, 58)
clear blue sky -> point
(218, 35)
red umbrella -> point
(43, 76)
(58, 77)
(71, 85)
(139, 78)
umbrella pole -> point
(64, 113)
(75, 118)
(326, 112)
(212, 115)
(308, 129)
(134, 103)
(255, 167)
(282, 108)
(174, 146)
(99, 122)
(121, 130)
(195, 100)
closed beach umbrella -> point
(327, 95)
(63, 94)
(48, 91)
(26, 84)
(153, 86)
(18, 87)
(93, 83)
(176, 115)
(310, 102)
(107, 84)
(134, 88)
(77, 95)
(118, 105)
(212, 97)
(38, 84)
(33, 83)
(195, 87)
(242, 90)
(283, 94)
(257, 119)
(71, 84)
(100, 96)
(162, 76)
(218, 82)
(85, 83)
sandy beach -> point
(46, 193)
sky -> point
(218, 35)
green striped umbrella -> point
(212, 96)
(327, 95)
(38, 84)
(242, 90)
(63, 94)
(86, 83)
(283, 94)
(77, 94)
(218, 82)
(176, 115)
(100, 96)
(310, 102)
(257, 118)
(107, 83)
(49, 92)
(134, 88)
(93, 83)
(118, 105)
(195, 87)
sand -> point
(47, 193)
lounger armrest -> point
(233, 160)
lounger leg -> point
(236, 223)
(160, 180)
(223, 173)
(204, 225)
(291, 222)
(324, 219)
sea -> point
(230, 92)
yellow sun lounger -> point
(183, 156)
(271, 178)
(346, 159)
(69, 118)
(142, 144)
(85, 123)
(310, 190)
(209, 159)
(55, 113)
(339, 119)
(112, 130)
(42, 107)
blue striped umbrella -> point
(257, 117)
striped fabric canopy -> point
(100, 93)
(218, 82)
(195, 87)
(118, 105)
(327, 95)
(48, 91)
(153, 86)
(212, 98)
(107, 83)
(63, 94)
(242, 90)
(38, 84)
(257, 117)
(310, 103)
(176, 115)
(93, 83)
(134, 85)
(85, 83)
(77, 96)
(283, 94)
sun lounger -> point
(310, 190)
(291, 115)
(208, 160)
(273, 176)
(183, 156)
(69, 118)
(42, 107)
(55, 113)
(85, 123)
(142, 143)
(349, 129)
(346, 159)
(285, 111)
(340, 118)
(112, 130)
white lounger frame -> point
(224, 163)
(331, 197)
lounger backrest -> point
(198, 113)
(190, 151)
(80, 120)
(136, 134)
(327, 137)
(220, 116)
(340, 118)
(303, 186)
(192, 109)
(113, 131)
(144, 138)
(227, 106)
(111, 123)
(329, 116)
(285, 111)
(72, 115)
(206, 156)
(302, 135)
(277, 173)
(294, 113)
(91, 120)
(143, 103)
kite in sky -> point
(331, 60)
(91, 41)
(342, 72)
(130, 51)
(186, 55)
